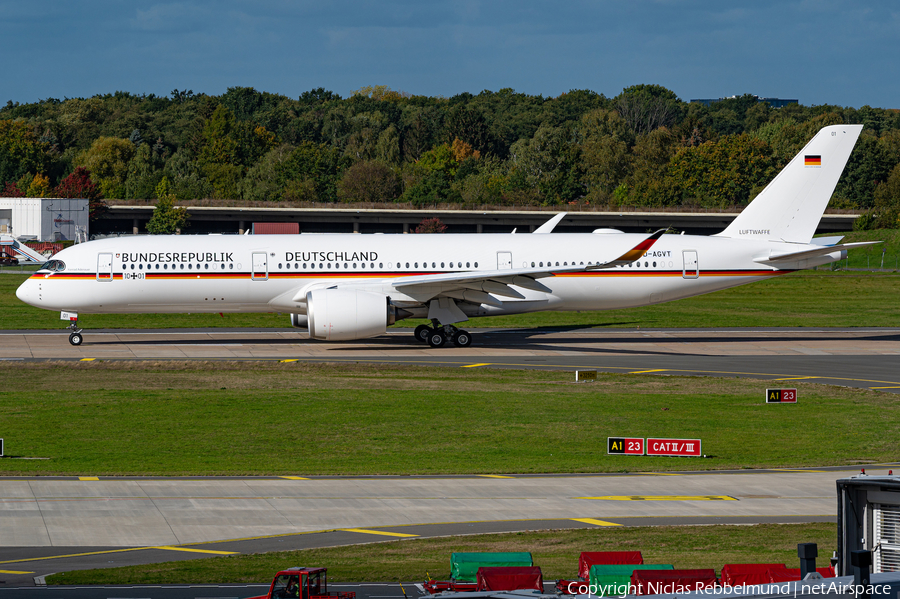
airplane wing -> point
(478, 286)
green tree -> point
(605, 156)
(20, 151)
(647, 107)
(144, 173)
(723, 173)
(166, 219)
(107, 159)
(549, 163)
(368, 181)
(886, 212)
(311, 172)
(869, 164)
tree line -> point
(644, 147)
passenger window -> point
(442, 265)
(279, 266)
(467, 265)
(476, 265)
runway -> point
(865, 358)
(51, 525)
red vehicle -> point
(302, 583)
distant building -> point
(44, 219)
(773, 102)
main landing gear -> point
(438, 336)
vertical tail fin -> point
(791, 206)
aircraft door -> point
(104, 267)
(504, 260)
(691, 265)
(260, 271)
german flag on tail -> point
(812, 160)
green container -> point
(612, 579)
(464, 566)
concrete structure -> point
(773, 102)
(869, 520)
(44, 219)
(133, 220)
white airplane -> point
(346, 286)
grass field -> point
(185, 418)
(556, 552)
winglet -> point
(634, 253)
(548, 226)
(638, 250)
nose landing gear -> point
(75, 337)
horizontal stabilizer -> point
(806, 254)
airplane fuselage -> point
(266, 273)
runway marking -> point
(87, 359)
(646, 371)
(46, 557)
(293, 477)
(797, 378)
(595, 522)
(796, 470)
(873, 388)
(290, 360)
(88, 478)
(366, 531)
(494, 476)
(14, 572)
(662, 498)
(475, 365)
(662, 473)
(172, 548)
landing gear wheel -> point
(436, 338)
(422, 332)
(462, 339)
(75, 339)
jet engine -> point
(299, 321)
(342, 314)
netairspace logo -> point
(670, 588)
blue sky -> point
(817, 51)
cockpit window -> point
(54, 265)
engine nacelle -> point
(342, 314)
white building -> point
(44, 219)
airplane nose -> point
(27, 292)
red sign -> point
(674, 447)
(626, 445)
